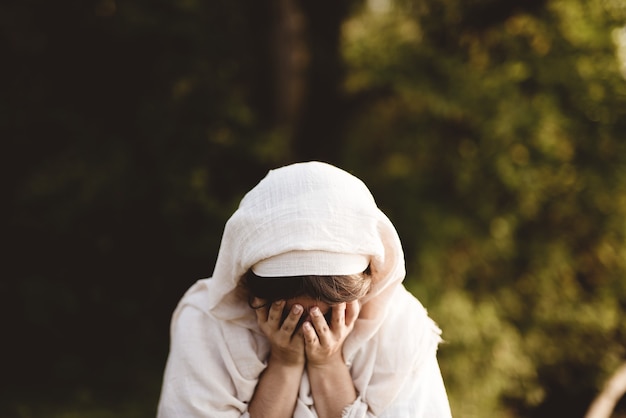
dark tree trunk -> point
(317, 131)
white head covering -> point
(314, 218)
(311, 263)
(306, 207)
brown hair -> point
(327, 289)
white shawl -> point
(218, 352)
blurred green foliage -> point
(490, 132)
(504, 143)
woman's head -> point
(318, 219)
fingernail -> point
(306, 325)
(296, 309)
(315, 311)
(279, 302)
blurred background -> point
(491, 132)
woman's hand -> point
(323, 342)
(287, 343)
(331, 383)
(277, 390)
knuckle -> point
(272, 317)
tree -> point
(501, 159)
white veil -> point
(316, 206)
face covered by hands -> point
(303, 330)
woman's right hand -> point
(276, 392)
(287, 343)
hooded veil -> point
(302, 207)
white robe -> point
(217, 351)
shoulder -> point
(202, 335)
(407, 333)
(405, 312)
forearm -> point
(277, 391)
(332, 388)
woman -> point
(305, 314)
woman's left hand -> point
(323, 341)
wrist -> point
(285, 362)
(331, 364)
(332, 387)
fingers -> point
(261, 312)
(320, 325)
(310, 336)
(275, 314)
(277, 318)
(345, 314)
(352, 312)
(318, 320)
(339, 315)
(291, 321)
